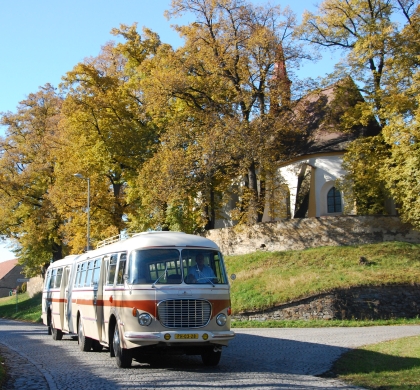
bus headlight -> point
(145, 319)
(221, 319)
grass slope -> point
(28, 309)
(390, 365)
(266, 279)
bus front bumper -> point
(181, 337)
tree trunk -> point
(261, 201)
(253, 187)
(211, 212)
(57, 251)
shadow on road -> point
(250, 360)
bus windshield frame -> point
(160, 266)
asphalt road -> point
(255, 359)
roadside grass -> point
(389, 365)
(28, 309)
(267, 279)
(322, 323)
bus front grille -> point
(184, 313)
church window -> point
(334, 201)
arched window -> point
(334, 201)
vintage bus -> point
(149, 293)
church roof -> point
(319, 115)
(7, 266)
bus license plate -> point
(187, 336)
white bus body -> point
(153, 291)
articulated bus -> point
(153, 292)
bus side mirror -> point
(233, 276)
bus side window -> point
(52, 280)
(89, 274)
(77, 278)
(47, 280)
(57, 282)
(96, 271)
(111, 269)
(216, 264)
(121, 268)
(82, 274)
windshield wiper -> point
(207, 278)
(164, 274)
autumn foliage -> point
(169, 137)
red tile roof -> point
(7, 266)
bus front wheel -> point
(123, 356)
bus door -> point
(64, 299)
(58, 298)
(110, 266)
(119, 279)
(98, 302)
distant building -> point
(310, 175)
(10, 271)
(305, 181)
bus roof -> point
(62, 262)
(153, 240)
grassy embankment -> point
(266, 279)
(28, 309)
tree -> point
(27, 175)
(222, 86)
(382, 56)
(400, 170)
(108, 136)
(368, 33)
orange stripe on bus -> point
(59, 300)
(148, 305)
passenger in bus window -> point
(200, 273)
(121, 268)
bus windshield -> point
(170, 266)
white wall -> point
(327, 170)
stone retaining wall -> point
(35, 285)
(385, 302)
(306, 233)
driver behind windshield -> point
(200, 272)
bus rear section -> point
(56, 297)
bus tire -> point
(85, 343)
(49, 323)
(57, 334)
(123, 356)
(210, 357)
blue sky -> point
(42, 40)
